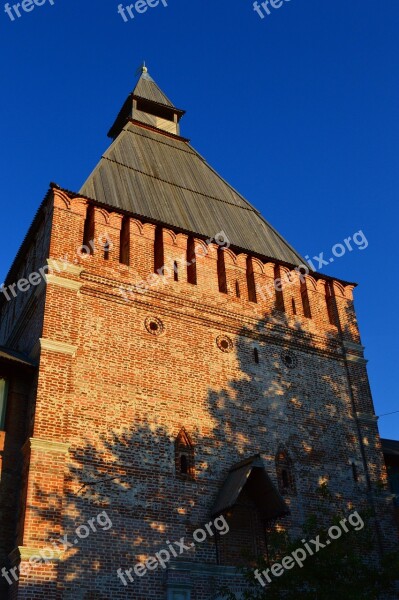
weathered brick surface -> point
(119, 394)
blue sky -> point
(299, 111)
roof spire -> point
(148, 104)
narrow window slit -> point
(279, 298)
(192, 261)
(330, 302)
(106, 250)
(158, 251)
(238, 293)
(88, 232)
(184, 456)
(124, 246)
(251, 281)
(183, 464)
(221, 272)
(285, 474)
(284, 478)
(305, 300)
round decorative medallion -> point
(154, 325)
(289, 359)
(224, 343)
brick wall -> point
(123, 370)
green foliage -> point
(347, 568)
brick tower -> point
(168, 364)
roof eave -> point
(10, 356)
(179, 111)
(157, 130)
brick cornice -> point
(25, 553)
(366, 417)
(66, 267)
(46, 446)
(61, 347)
(352, 346)
(68, 284)
(356, 359)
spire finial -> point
(142, 69)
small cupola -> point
(147, 104)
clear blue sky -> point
(299, 111)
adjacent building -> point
(390, 449)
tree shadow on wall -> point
(287, 395)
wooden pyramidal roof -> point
(148, 89)
(152, 172)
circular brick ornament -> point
(154, 326)
(224, 343)
(289, 359)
